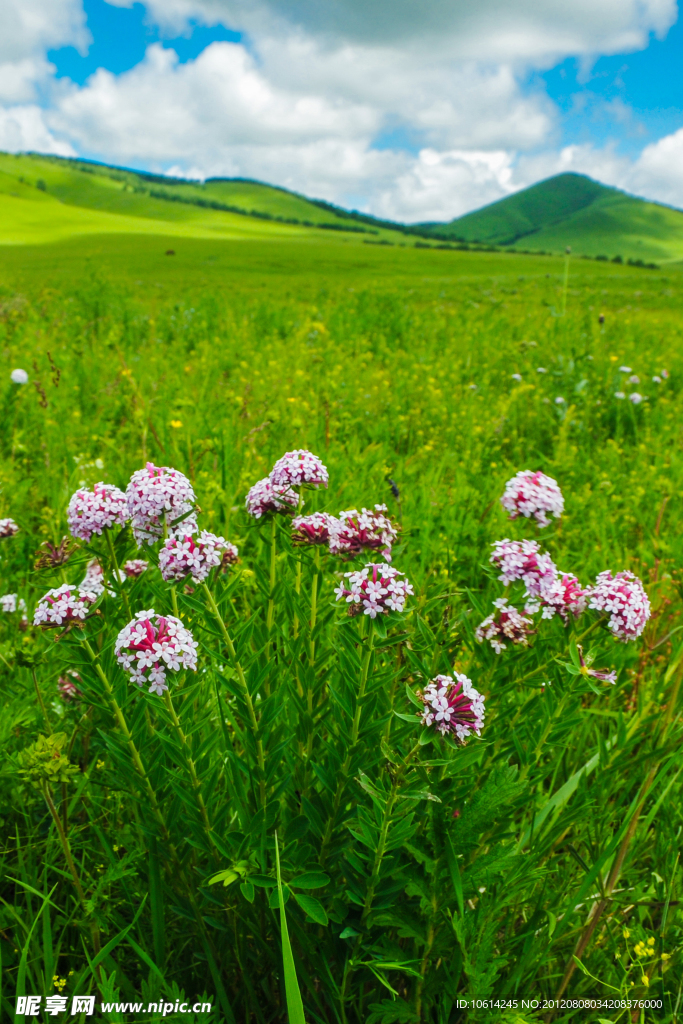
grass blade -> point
(295, 1006)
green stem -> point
(341, 784)
(123, 725)
(94, 930)
(273, 564)
(117, 572)
(191, 767)
(253, 721)
(174, 602)
(40, 700)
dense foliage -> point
(416, 871)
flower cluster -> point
(452, 705)
(368, 530)
(152, 645)
(156, 497)
(313, 529)
(561, 595)
(93, 581)
(11, 602)
(91, 512)
(134, 567)
(523, 560)
(8, 528)
(533, 494)
(506, 624)
(374, 590)
(623, 598)
(297, 468)
(194, 556)
(264, 498)
(62, 605)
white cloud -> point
(24, 128)
(29, 27)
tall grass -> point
(408, 881)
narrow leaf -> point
(295, 1006)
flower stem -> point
(94, 930)
(253, 721)
(117, 572)
(191, 767)
(123, 725)
(273, 557)
(40, 700)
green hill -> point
(44, 198)
(574, 210)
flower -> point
(298, 468)
(134, 567)
(634, 379)
(63, 604)
(93, 581)
(356, 531)
(506, 623)
(636, 398)
(624, 369)
(91, 512)
(619, 394)
(264, 498)
(517, 377)
(193, 556)
(313, 529)
(452, 705)
(541, 369)
(562, 595)
(623, 598)
(11, 602)
(523, 560)
(533, 494)
(8, 528)
(665, 374)
(656, 379)
(586, 670)
(19, 377)
(560, 400)
(151, 645)
(67, 688)
(156, 497)
(374, 590)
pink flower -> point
(9, 603)
(506, 624)
(193, 556)
(134, 567)
(313, 529)
(523, 560)
(91, 512)
(374, 590)
(151, 645)
(367, 530)
(63, 604)
(297, 468)
(265, 499)
(93, 581)
(157, 496)
(67, 687)
(8, 528)
(453, 706)
(533, 494)
(623, 598)
(562, 595)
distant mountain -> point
(574, 210)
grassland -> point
(392, 363)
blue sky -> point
(413, 111)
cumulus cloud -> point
(24, 128)
(29, 27)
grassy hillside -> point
(47, 198)
(571, 209)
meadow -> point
(290, 777)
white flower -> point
(152, 644)
(634, 379)
(559, 400)
(624, 369)
(541, 369)
(619, 394)
(517, 376)
(297, 468)
(533, 494)
(19, 377)
(156, 497)
(656, 379)
(264, 498)
(623, 598)
(636, 398)
(91, 512)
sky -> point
(416, 110)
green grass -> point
(391, 364)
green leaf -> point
(413, 698)
(311, 880)
(295, 1006)
(455, 875)
(263, 881)
(413, 719)
(312, 907)
(247, 890)
(227, 877)
(349, 933)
